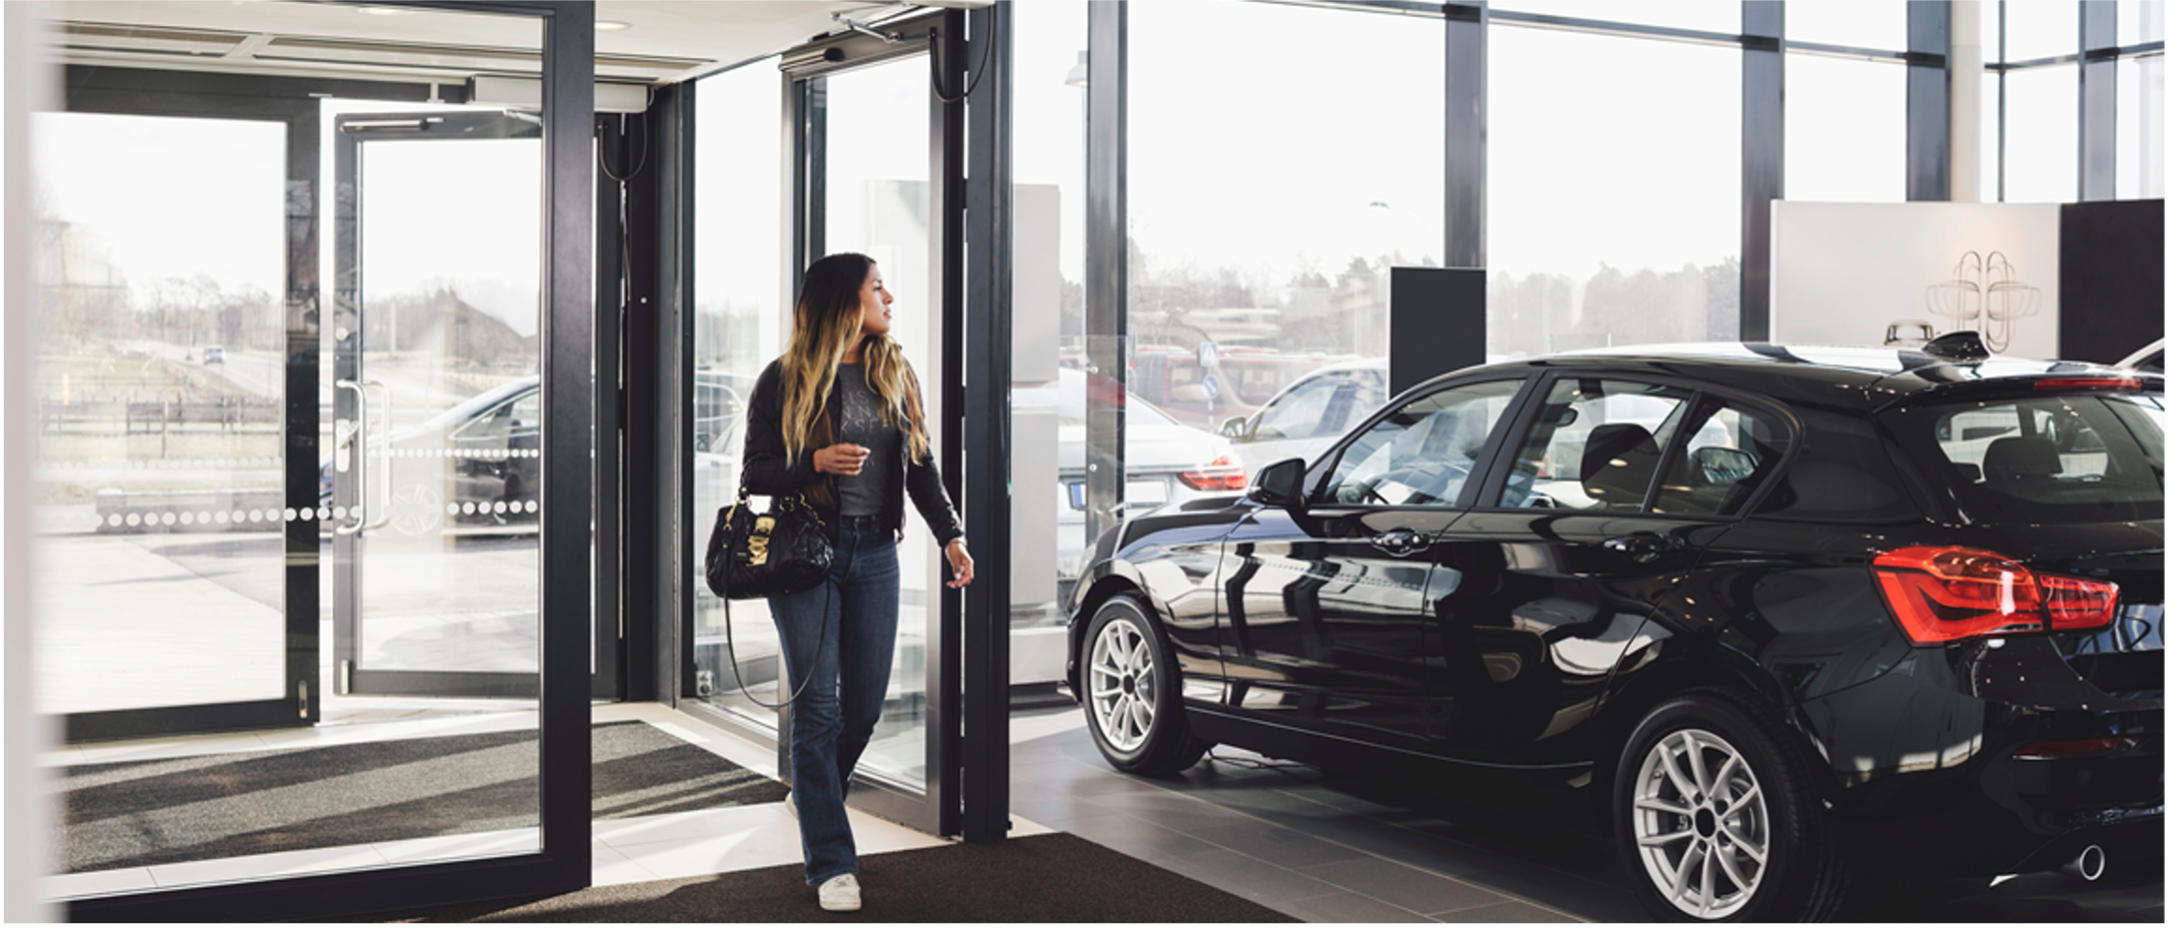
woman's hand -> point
(841, 458)
(960, 563)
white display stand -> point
(1860, 274)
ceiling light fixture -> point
(382, 10)
(611, 25)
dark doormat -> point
(1054, 878)
(140, 813)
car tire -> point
(1133, 692)
(1705, 783)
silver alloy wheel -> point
(1701, 824)
(1120, 682)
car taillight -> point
(1945, 594)
(2096, 382)
(1222, 473)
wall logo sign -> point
(1985, 295)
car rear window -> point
(2042, 457)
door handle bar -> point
(352, 443)
(383, 512)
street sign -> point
(1213, 387)
(1209, 354)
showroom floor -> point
(1292, 839)
(1287, 836)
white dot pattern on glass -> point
(259, 516)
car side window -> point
(1297, 415)
(1421, 454)
(1595, 445)
(1732, 450)
(527, 415)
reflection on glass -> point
(2042, 120)
(1845, 130)
(1259, 256)
(739, 325)
(878, 206)
(2140, 126)
(1612, 191)
(161, 384)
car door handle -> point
(1640, 547)
(1400, 541)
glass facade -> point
(2041, 126)
(1880, 26)
(1325, 180)
(1845, 129)
(1612, 196)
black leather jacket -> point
(767, 473)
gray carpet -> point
(141, 813)
(1055, 878)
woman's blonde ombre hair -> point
(824, 324)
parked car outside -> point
(1310, 413)
(475, 468)
(1840, 633)
(1165, 463)
(2148, 359)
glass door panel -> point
(432, 477)
(877, 203)
(741, 315)
(162, 372)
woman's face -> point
(874, 300)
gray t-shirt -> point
(862, 494)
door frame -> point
(805, 118)
(570, 340)
(352, 493)
(132, 92)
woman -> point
(839, 419)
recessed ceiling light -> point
(382, 10)
(610, 25)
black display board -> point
(2110, 279)
(1435, 323)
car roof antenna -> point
(1964, 345)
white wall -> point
(1841, 273)
(31, 821)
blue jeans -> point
(843, 633)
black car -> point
(1776, 615)
(475, 468)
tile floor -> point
(1318, 848)
(1342, 850)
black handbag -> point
(783, 551)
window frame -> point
(1525, 413)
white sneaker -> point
(791, 803)
(840, 894)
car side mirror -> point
(1280, 484)
(1233, 427)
